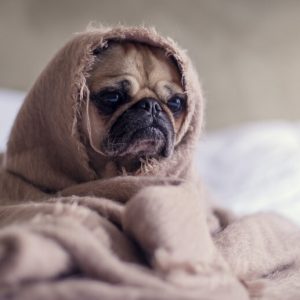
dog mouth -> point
(139, 138)
(147, 141)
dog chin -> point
(148, 142)
(144, 142)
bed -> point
(249, 168)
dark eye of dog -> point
(108, 100)
(176, 104)
(111, 98)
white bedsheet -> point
(10, 102)
(255, 167)
(251, 168)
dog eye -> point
(111, 97)
(175, 104)
(108, 101)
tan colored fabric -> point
(67, 239)
(152, 236)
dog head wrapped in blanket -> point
(70, 131)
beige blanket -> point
(152, 235)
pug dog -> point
(125, 107)
(137, 106)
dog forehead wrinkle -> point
(145, 63)
(139, 61)
(148, 64)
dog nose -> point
(150, 105)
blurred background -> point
(247, 52)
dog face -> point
(137, 103)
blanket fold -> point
(112, 258)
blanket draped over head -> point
(65, 233)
